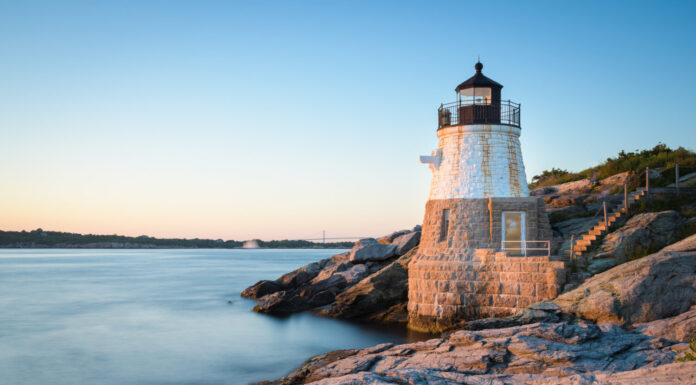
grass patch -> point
(640, 251)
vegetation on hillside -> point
(56, 239)
(690, 355)
(660, 156)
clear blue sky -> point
(282, 119)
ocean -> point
(159, 317)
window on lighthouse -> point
(475, 96)
(444, 224)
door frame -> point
(523, 229)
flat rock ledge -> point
(540, 353)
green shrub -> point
(640, 251)
(690, 356)
(553, 177)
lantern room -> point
(479, 89)
(479, 102)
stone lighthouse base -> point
(446, 289)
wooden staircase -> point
(585, 241)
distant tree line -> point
(299, 244)
(55, 239)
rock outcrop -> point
(677, 328)
(642, 232)
(641, 235)
(687, 244)
(540, 353)
(376, 296)
(404, 243)
(654, 287)
(369, 249)
(375, 264)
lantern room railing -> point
(458, 113)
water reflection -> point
(157, 317)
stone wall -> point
(462, 276)
(470, 223)
(447, 288)
(479, 161)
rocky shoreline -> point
(628, 325)
(370, 282)
(623, 317)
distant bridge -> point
(323, 238)
(332, 238)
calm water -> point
(156, 317)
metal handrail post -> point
(606, 221)
(626, 198)
(676, 171)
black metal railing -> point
(458, 113)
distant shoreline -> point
(166, 248)
(40, 239)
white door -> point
(514, 232)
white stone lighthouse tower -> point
(479, 154)
(480, 222)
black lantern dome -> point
(479, 89)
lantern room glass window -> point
(476, 95)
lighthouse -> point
(486, 244)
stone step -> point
(583, 244)
(586, 240)
(598, 230)
(588, 237)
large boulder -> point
(388, 239)
(302, 298)
(643, 232)
(376, 294)
(368, 249)
(404, 243)
(262, 288)
(658, 286)
(282, 302)
(641, 235)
